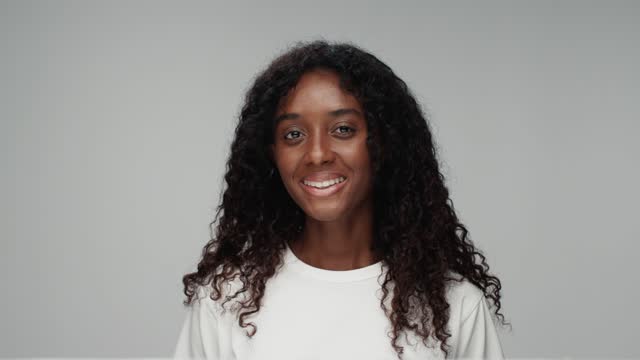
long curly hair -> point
(417, 232)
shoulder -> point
(204, 295)
(463, 297)
(202, 298)
(203, 292)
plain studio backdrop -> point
(117, 117)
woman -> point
(338, 239)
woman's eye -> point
(286, 136)
(344, 127)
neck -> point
(343, 244)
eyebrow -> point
(334, 113)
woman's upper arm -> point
(199, 337)
(478, 337)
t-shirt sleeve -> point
(478, 337)
(199, 337)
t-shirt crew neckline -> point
(303, 268)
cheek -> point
(358, 156)
(352, 147)
(285, 164)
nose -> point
(319, 150)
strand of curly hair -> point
(417, 232)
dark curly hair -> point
(417, 232)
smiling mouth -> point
(324, 188)
(324, 184)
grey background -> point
(116, 118)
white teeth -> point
(324, 184)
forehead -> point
(317, 91)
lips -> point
(323, 176)
(324, 192)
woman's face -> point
(320, 138)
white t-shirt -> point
(309, 313)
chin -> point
(324, 219)
(324, 215)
